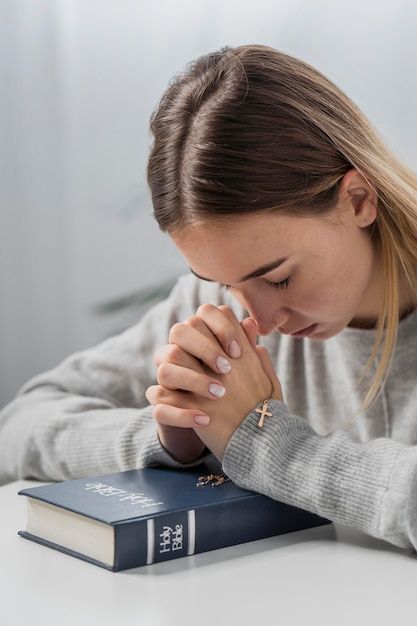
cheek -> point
(320, 294)
(336, 292)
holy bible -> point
(145, 516)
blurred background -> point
(79, 80)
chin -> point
(328, 334)
(321, 336)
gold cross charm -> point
(263, 412)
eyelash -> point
(283, 284)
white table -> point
(323, 576)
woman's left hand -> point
(251, 380)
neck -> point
(407, 303)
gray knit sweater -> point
(89, 416)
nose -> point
(267, 314)
(268, 322)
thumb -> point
(269, 370)
(251, 329)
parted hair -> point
(251, 129)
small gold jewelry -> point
(219, 479)
(264, 412)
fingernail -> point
(223, 365)
(234, 349)
(201, 420)
(217, 390)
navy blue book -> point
(144, 516)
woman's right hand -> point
(182, 442)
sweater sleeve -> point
(370, 486)
(89, 415)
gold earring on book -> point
(215, 479)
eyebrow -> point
(259, 272)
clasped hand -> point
(201, 373)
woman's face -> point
(291, 273)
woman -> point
(272, 184)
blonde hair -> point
(251, 129)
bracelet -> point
(219, 479)
(264, 412)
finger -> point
(251, 329)
(200, 345)
(171, 353)
(269, 370)
(156, 394)
(182, 418)
(176, 377)
(223, 323)
(199, 324)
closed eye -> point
(283, 284)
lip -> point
(305, 332)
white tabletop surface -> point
(329, 575)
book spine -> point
(161, 538)
(170, 537)
(183, 533)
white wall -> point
(79, 80)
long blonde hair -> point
(251, 129)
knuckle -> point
(227, 310)
(164, 372)
(159, 394)
(176, 332)
(193, 321)
(205, 308)
(173, 353)
(158, 412)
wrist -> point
(183, 450)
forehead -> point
(227, 249)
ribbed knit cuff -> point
(331, 476)
(398, 519)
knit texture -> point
(318, 451)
